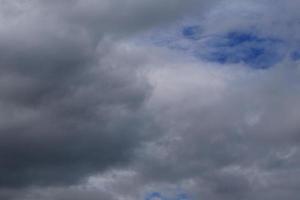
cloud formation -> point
(68, 109)
(127, 100)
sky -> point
(149, 100)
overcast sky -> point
(149, 99)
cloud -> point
(71, 94)
(65, 116)
(91, 108)
(70, 106)
(225, 129)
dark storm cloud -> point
(68, 107)
(63, 117)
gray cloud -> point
(86, 113)
(233, 138)
(65, 118)
(71, 103)
(69, 108)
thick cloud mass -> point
(233, 138)
(71, 104)
(68, 109)
(149, 100)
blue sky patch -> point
(238, 38)
(160, 196)
(192, 32)
(182, 196)
(154, 196)
(234, 47)
(240, 47)
(295, 55)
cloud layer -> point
(155, 100)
